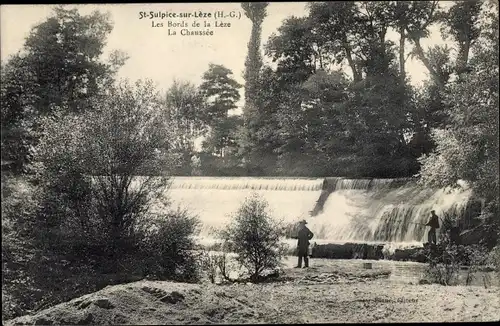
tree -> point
(315, 111)
(294, 51)
(255, 237)
(223, 136)
(220, 93)
(258, 138)
(430, 106)
(94, 205)
(94, 169)
(58, 66)
(334, 27)
(256, 12)
(461, 23)
(399, 14)
(183, 109)
(423, 14)
(314, 130)
(467, 149)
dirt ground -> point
(328, 292)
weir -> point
(338, 210)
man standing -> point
(434, 224)
(303, 236)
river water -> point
(352, 210)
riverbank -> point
(331, 291)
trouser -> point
(431, 236)
(306, 260)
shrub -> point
(443, 264)
(167, 244)
(446, 258)
(86, 212)
(475, 256)
(494, 258)
(215, 265)
(255, 237)
(208, 263)
(18, 251)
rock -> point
(103, 303)
(43, 321)
(84, 304)
(150, 290)
(88, 319)
(173, 297)
(423, 282)
(214, 312)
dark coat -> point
(304, 235)
(433, 222)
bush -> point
(494, 258)
(446, 258)
(443, 264)
(215, 265)
(255, 237)
(475, 256)
(81, 224)
(166, 249)
(18, 251)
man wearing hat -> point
(434, 224)
(303, 236)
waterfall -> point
(214, 199)
(388, 210)
(244, 183)
(337, 209)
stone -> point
(173, 297)
(84, 304)
(86, 320)
(43, 321)
(103, 303)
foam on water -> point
(387, 211)
(385, 214)
(215, 199)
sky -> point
(156, 55)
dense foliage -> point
(84, 213)
(255, 237)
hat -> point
(303, 222)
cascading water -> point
(214, 199)
(389, 210)
(353, 210)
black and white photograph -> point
(236, 163)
